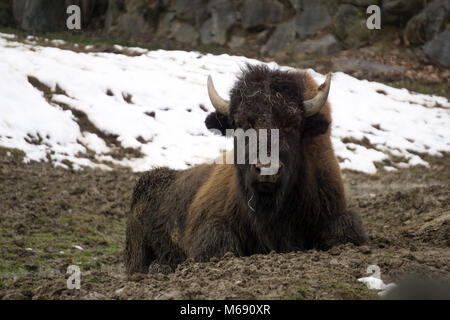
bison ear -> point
(218, 121)
(315, 125)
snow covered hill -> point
(81, 108)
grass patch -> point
(80, 39)
(16, 154)
(331, 284)
(11, 268)
(91, 280)
(303, 293)
(440, 89)
(433, 176)
(53, 243)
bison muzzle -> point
(211, 209)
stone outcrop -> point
(297, 28)
(438, 49)
(39, 15)
(350, 26)
(51, 15)
(6, 17)
(428, 23)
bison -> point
(211, 209)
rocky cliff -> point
(276, 28)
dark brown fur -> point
(206, 211)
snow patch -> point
(172, 86)
(375, 283)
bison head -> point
(271, 99)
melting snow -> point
(375, 283)
(172, 84)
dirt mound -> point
(52, 218)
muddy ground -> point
(45, 212)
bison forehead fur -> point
(265, 98)
(204, 211)
(261, 91)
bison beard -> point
(212, 209)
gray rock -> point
(141, 18)
(428, 23)
(311, 17)
(296, 4)
(184, 33)
(6, 16)
(133, 24)
(280, 40)
(311, 48)
(236, 42)
(148, 10)
(206, 32)
(201, 15)
(263, 35)
(164, 26)
(165, 3)
(350, 26)
(40, 15)
(223, 18)
(110, 15)
(215, 29)
(188, 9)
(361, 3)
(256, 13)
(352, 65)
(87, 9)
(438, 49)
(51, 15)
(400, 11)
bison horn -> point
(220, 104)
(314, 105)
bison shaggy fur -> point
(211, 209)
